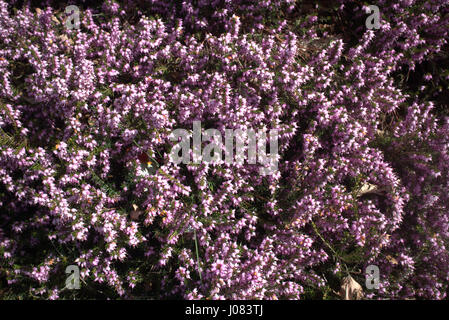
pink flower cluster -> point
(85, 176)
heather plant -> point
(87, 116)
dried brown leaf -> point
(367, 188)
(392, 260)
(54, 19)
(135, 214)
(350, 289)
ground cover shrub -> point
(86, 178)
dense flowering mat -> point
(85, 175)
